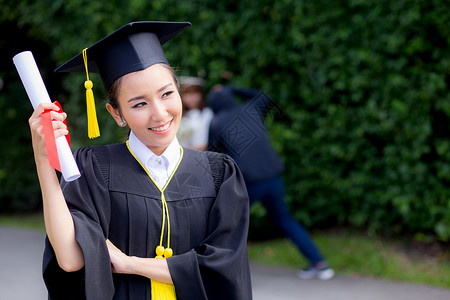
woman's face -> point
(150, 104)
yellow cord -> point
(162, 291)
(162, 252)
(163, 219)
(85, 63)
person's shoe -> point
(320, 271)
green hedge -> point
(362, 86)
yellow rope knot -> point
(88, 85)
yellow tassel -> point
(163, 291)
(93, 129)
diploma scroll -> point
(37, 93)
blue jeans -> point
(271, 193)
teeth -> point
(162, 128)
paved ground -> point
(20, 264)
(20, 278)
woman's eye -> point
(140, 104)
(167, 94)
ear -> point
(115, 114)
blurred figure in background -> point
(239, 131)
(194, 127)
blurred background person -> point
(194, 127)
(239, 131)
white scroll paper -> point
(35, 88)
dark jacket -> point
(239, 131)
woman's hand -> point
(119, 261)
(37, 135)
(156, 269)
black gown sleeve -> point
(88, 202)
(218, 268)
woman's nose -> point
(158, 111)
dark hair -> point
(113, 91)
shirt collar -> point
(171, 155)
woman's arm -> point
(58, 220)
(153, 268)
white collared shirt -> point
(159, 167)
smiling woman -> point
(147, 219)
(149, 102)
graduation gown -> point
(115, 199)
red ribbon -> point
(49, 136)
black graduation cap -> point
(133, 47)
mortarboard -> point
(134, 47)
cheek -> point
(175, 107)
(136, 117)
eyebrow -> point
(165, 86)
(143, 97)
(136, 98)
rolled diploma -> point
(37, 93)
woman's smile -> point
(163, 129)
